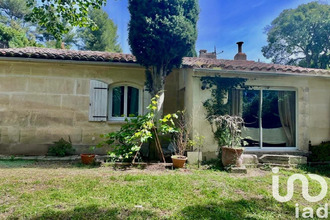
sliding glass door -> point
(270, 118)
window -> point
(113, 103)
(124, 102)
(269, 115)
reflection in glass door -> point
(270, 118)
(251, 131)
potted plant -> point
(181, 141)
(227, 131)
(88, 158)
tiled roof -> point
(247, 65)
(194, 62)
(64, 54)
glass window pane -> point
(118, 101)
(278, 118)
(250, 131)
(132, 102)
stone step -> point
(282, 159)
(241, 170)
(251, 160)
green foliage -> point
(69, 39)
(300, 36)
(55, 14)
(220, 88)
(61, 148)
(11, 37)
(13, 10)
(226, 128)
(136, 131)
(321, 152)
(160, 34)
(102, 39)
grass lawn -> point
(42, 190)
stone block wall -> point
(41, 102)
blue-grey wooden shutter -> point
(98, 105)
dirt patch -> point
(251, 172)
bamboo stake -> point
(158, 145)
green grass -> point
(41, 191)
(15, 163)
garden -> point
(62, 190)
(120, 187)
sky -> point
(221, 24)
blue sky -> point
(221, 23)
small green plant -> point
(321, 152)
(126, 142)
(227, 130)
(61, 148)
(198, 142)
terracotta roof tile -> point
(247, 65)
(194, 62)
(63, 54)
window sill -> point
(116, 122)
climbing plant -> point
(216, 106)
(127, 142)
(220, 88)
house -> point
(46, 94)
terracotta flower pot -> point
(232, 156)
(87, 158)
(178, 161)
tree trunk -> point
(158, 76)
(158, 88)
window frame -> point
(110, 95)
(275, 88)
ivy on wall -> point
(220, 87)
(217, 106)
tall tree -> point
(13, 10)
(300, 36)
(161, 32)
(14, 37)
(15, 32)
(102, 39)
(54, 15)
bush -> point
(61, 148)
(320, 153)
(127, 142)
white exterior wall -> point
(313, 105)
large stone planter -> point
(178, 161)
(232, 156)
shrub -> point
(127, 142)
(320, 152)
(61, 148)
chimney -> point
(240, 55)
(205, 54)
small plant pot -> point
(232, 156)
(178, 161)
(87, 158)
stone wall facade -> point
(40, 102)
